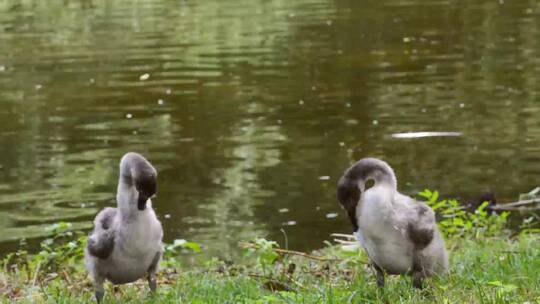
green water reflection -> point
(251, 110)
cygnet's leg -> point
(98, 287)
(380, 275)
(421, 232)
(152, 272)
(418, 273)
(417, 279)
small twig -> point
(517, 209)
(66, 277)
(345, 236)
(43, 291)
(292, 252)
(255, 275)
(36, 274)
(286, 238)
(294, 281)
(305, 255)
(516, 205)
(345, 242)
(348, 242)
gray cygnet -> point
(126, 243)
(399, 234)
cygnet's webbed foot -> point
(99, 291)
(152, 282)
(380, 275)
(417, 279)
(380, 281)
(99, 295)
(418, 271)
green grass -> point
(493, 270)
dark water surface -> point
(251, 109)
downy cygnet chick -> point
(126, 242)
(399, 234)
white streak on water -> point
(425, 134)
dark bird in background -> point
(486, 196)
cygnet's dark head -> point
(137, 171)
(348, 195)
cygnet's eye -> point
(369, 183)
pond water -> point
(251, 109)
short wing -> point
(421, 225)
(101, 241)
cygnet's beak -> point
(141, 203)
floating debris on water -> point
(425, 134)
(331, 215)
(283, 210)
(144, 76)
(160, 102)
(324, 177)
(289, 223)
(38, 86)
(129, 115)
(167, 216)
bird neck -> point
(126, 198)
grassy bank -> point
(487, 266)
(494, 270)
